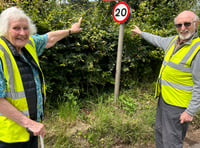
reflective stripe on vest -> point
(158, 87)
(34, 55)
(176, 75)
(12, 93)
(11, 132)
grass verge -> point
(104, 123)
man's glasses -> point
(186, 24)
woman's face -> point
(18, 33)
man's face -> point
(18, 33)
(185, 26)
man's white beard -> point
(189, 35)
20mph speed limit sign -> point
(121, 12)
(122, 15)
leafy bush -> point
(84, 64)
(105, 123)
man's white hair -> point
(196, 17)
(16, 14)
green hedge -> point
(84, 64)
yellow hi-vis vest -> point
(175, 78)
(10, 131)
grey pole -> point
(41, 141)
(119, 57)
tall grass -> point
(103, 122)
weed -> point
(69, 109)
(103, 122)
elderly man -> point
(178, 85)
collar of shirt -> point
(10, 46)
(180, 43)
(188, 41)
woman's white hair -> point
(14, 13)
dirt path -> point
(192, 139)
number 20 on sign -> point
(121, 12)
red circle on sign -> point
(117, 18)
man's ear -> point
(196, 24)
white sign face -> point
(121, 12)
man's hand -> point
(136, 30)
(76, 27)
(185, 117)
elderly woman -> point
(22, 89)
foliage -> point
(69, 109)
(84, 64)
(105, 123)
(127, 104)
(81, 68)
(78, 1)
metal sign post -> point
(121, 14)
(119, 57)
